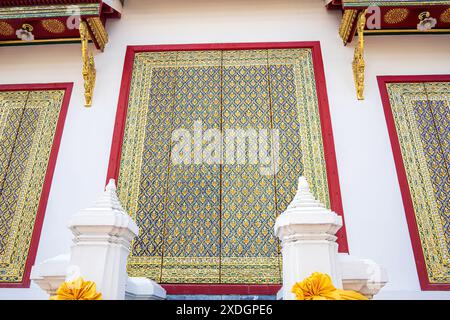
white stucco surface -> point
(374, 214)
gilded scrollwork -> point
(346, 27)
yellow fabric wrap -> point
(318, 286)
(77, 289)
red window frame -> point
(32, 251)
(327, 135)
(401, 174)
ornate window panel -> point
(418, 115)
(211, 223)
(31, 122)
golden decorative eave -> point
(24, 22)
(387, 17)
(393, 17)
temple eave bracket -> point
(91, 29)
(359, 64)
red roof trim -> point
(29, 3)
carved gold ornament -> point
(53, 26)
(445, 16)
(89, 73)
(395, 16)
(345, 29)
(28, 27)
(358, 59)
(99, 32)
(77, 289)
(6, 29)
(319, 286)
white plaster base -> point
(362, 275)
(49, 274)
(144, 289)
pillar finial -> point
(304, 198)
(307, 231)
(109, 198)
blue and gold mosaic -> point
(213, 222)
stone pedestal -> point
(362, 275)
(307, 233)
(144, 289)
(49, 274)
(101, 244)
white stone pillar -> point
(307, 233)
(101, 244)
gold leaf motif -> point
(53, 26)
(445, 16)
(397, 15)
(6, 29)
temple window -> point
(206, 216)
(31, 122)
(418, 118)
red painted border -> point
(401, 173)
(327, 133)
(32, 251)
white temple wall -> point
(373, 209)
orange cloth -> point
(77, 289)
(318, 286)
